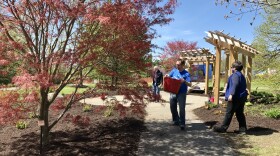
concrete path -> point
(162, 138)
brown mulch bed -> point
(257, 125)
(104, 136)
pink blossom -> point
(4, 62)
(103, 19)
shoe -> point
(242, 130)
(182, 127)
(219, 129)
(175, 123)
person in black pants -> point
(236, 96)
(157, 82)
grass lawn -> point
(69, 89)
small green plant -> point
(109, 110)
(248, 104)
(273, 113)
(110, 107)
(209, 105)
(87, 108)
(32, 115)
(21, 125)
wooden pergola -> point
(232, 47)
(199, 56)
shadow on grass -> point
(114, 137)
(258, 131)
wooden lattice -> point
(197, 55)
(225, 41)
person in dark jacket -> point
(236, 96)
(157, 82)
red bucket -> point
(171, 85)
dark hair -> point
(182, 61)
(237, 65)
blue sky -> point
(193, 17)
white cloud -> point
(187, 32)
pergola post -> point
(206, 76)
(249, 74)
(190, 68)
(244, 64)
(217, 72)
(213, 77)
(227, 69)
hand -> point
(230, 98)
(189, 84)
(182, 80)
(166, 75)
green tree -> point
(267, 40)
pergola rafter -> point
(197, 55)
(226, 41)
(232, 48)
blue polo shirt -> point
(176, 74)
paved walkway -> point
(162, 138)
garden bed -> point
(104, 136)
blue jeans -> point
(181, 99)
(156, 90)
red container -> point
(171, 85)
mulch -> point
(103, 136)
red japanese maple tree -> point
(172, 52)
(66, 40)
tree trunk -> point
(44, 116)
(45, 129)
(81, 83)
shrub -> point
(264, 98)
(87, 108)
(273, 113)
(21, 125)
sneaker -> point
(242, 130)
(175, 123)
(219, 129)
(182, 127)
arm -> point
(233, 87)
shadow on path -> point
(162, 138)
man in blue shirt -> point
(236, 96)
(179, 73)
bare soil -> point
(104, 136)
